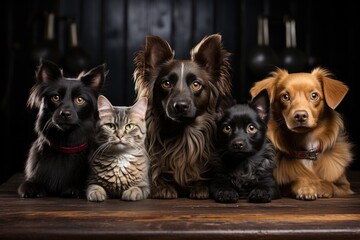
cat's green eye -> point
(251, 128)
(227, 129)
(129, 127)
(79, 101)
(55, 98)
(110, 126)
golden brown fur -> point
(181, 148)
(304, 117)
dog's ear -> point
(210, 54)
(95, 77)
(334, 90)
(261, 103)
(207, 52)
(269, 84)
(157, 51)
(104, 106)
(48, 71)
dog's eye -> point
(129, 127)
(251, 129)
(55, 98)
(314, 96)
(79, 101)
(196, 86)
(227, 129)
(285, 97)
(166, 84)
(110, 126)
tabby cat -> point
(119, 165)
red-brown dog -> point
(313, 150)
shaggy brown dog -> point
(313, 150)
(185, 97)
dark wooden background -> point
(111, 31)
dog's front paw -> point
(165, 191)
(228, 195)
(95, 193)
(71, 193)
(199, 191)
(306, 193)
(259, 195)
(325, 190)
(31, 190)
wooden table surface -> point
(286, 218)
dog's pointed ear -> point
(207, 52)
(95, 77)
(48, 71)
(104, 106)
(210, 54)
(261, 104)
(334, 90)
(157, 51)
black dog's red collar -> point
(74, 149)
(311, 154)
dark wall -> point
(111, 31)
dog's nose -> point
(65, 113)
(181, 107)
(239, 144)
(301, 116)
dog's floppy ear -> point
(334, 90)
(268, 83)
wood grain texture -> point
(55, 218)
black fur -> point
(244, 161)
(66, 118)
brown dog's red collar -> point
(311, 154)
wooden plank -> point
(285, 218)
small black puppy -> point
(244, 161)
(57, 163)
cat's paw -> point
(259, 195)
(31, 190)
(227, 195)
(163, 192)
(95, 193)
(134, 194)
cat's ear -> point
(105, 108)
(261, 104)
(140, 107)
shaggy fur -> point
(244, 160)
(185, 97)
(304, 120)
(66, 116)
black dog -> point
(244, 161)
(58, 159)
